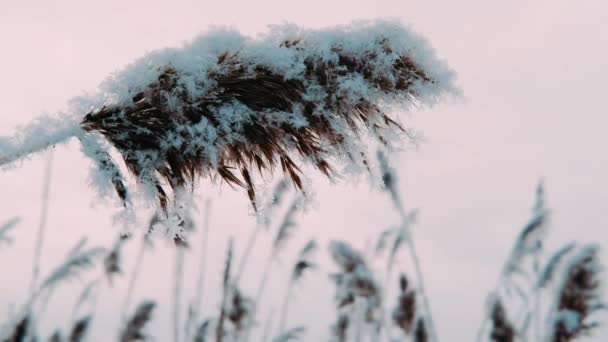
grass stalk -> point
(42, 222)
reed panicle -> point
(134, 329)
(578, 297)
(21, 330)
(6, 228)
(357, 292)
(227, 113)
(527, 247)
(240, 309)
(80, 329)
(302, 265)
(304, 262)
(77, 260)
(420, 332)
(141, 129)
(340, 328)
(404, 312)
(404, 235)
(202, 331)
(112, 261)
(287, 225)
(502, 329)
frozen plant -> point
(225, 105)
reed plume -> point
(577, 297)
(420, 332)
(134, 329)
(6, 228)
(80, 329)
(21, 330)
(404, 312)
(502, 329)
(340, 328)
(112, 261)
(202, 331)
(302, 265)
(248, 106)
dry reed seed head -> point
(300, 267)
(175, 222)
(134, 329)
(340, 328)
(420, 332)
(288, 224)
(6, 228)
(80, 329)
(578, 296)
(279, 191)
(239, 309)
(405, 311)
(355, 283)
(77, 261)
(403, 283)
(112, 261)
(345, 256)
(531, 236)
(502, 329)
(21, 330)
(259, 104)
(389, 179)
(303, 262)
(202, 331)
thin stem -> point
(259, 293)
(422, 289)
(253, 237)
(383, 325)
(264, 280)
(42, 223)
(537, 302)
(177, 288)
(198, 299)
(268, 325)
(219, 331)
(418, 271)
(134, 274)
(285, 307)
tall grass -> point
(569, 281)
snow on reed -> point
(225, 105)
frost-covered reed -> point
(569, 280)
(228, 106)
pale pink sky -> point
(534, 75)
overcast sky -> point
(534, 77)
